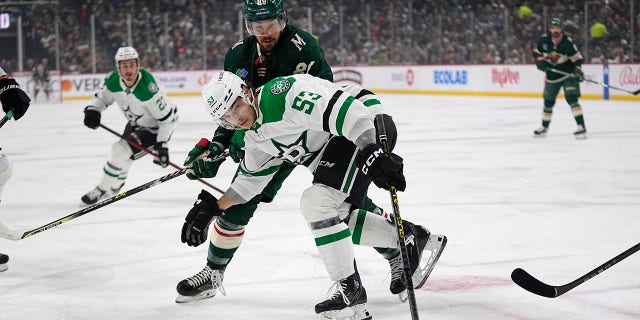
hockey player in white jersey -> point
(310, 121)
(152, 119)
(15, 102)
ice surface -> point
(557, 207)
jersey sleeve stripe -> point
(327, 113)
(342, 114)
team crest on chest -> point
(297, 152)
(153, 88)
(280, 86)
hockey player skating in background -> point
(274, 48)
(15, 100)
(558, 56)
(41, 79)
(305, 120)
(152, 119)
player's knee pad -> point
(370, 229)
(320, 202)
(548, 105)
(572, 98)
(5, 171)
(121, 154)
(225, 235)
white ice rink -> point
(557, 207)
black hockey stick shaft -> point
(6, 118)
(533, 285)
(12, 236)
(142, 148)
(635, 93)
(413, 307)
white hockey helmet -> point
(220, 93)
(126, 53)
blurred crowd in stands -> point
(171, 34)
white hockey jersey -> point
(297, 116)
(144, 104)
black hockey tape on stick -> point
(141, 148)
(530, 283)
(9, 234)
(635, 93)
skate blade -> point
(360, 312)
(203, 295)
(542, 135)
(423, 271)
(581, 136)
(3, 267)
(403, 296)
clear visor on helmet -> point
(231, 116)
(266, 27)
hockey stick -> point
(6, 118)
(533, 285)
(635, 93)
(413, 307)
(141, 148)
(17, 235)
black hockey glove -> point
(199, 158)
(384, 169)
(92, 117)
(13, 98)
(196, 225)
(163, 154)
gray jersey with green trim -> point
(144, 104)
(297, 116)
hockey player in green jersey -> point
(305, 120)
(558, 56)
(274, 48)
(152, 119)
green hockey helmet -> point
(261, 10)
(256, 10)
(555, 22)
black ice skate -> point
(418, 240)
(540, 132)
(205, 284)
(347, 293)
(581, 132)
(4, 259)
(97, 194)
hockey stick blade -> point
(9, 234)
(533, 285)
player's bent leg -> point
(324, 209)
(114, 174)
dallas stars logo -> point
(297, 152)
(132, 117)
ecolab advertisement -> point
(616, 81)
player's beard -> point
(267, 43)
(556, 34)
